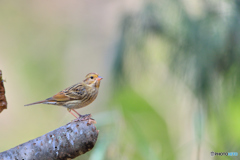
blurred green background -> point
(171, 73)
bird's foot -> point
(87, 117)
(84, 117)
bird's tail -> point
(39, 102)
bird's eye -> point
(91, 77)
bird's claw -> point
(85, 117)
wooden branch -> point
(3, 101)
(64, 143)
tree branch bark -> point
(64, 143)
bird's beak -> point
(99, 78)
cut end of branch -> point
(3, 101)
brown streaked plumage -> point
(76, 96)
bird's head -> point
(93, 79)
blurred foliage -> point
(143, 128)
(201, 51)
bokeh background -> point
(171, 73)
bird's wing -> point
(60, 96)
(76, 91)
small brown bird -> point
(76, 96)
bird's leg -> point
(82, 117)
(77, 112)
(69, 110)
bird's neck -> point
(97, 84)
(93, 86)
